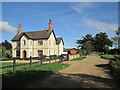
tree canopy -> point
(100, 42)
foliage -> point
(86, 38)
(7, 45)
(42, 57)
(114, 51)
(82, 52)
(115, 70)
(87, 46)
(53, 57)
(101, 41)
(116, 39)
(6, 50)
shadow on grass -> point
(22, 78)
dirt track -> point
(92, 72)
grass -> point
(9, 64)
(107, 56)
(22, 78)
(77, 59)
(110, 56)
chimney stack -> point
(50, 25)
(19, 29)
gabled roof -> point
(44, 34)
(58, 40)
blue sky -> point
(71, 20)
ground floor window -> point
(40, 52)
(17, 53)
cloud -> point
(80, 7)
(100, 26)
(6, 27)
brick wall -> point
(70, 57)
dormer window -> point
(24, 42)
(40, 42)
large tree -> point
(116, 39)
(101, 42)
(86, 38)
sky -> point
(71, 20)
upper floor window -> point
(40, 42)
(24, 42)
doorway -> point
(24, 54)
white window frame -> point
(40, 43)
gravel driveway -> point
(92, 72)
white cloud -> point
(80, 7)
(100, 26)
(6, 27)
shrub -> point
(115, 68)
(42, 57)
(114, 51)
(53, 56)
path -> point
(91, 72)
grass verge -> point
(22, 78)
(107, 56)
(77, 59)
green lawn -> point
(77, 59)
(52, 67)
(22, 78)
(109, 56)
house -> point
(36, 43)
(70, 51)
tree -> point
(118, 34)
(7, 44)
(115, 41)
(86, 38)
(102, 41)
(88, 47)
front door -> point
(24, 54)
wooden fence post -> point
(59, 59)
(49, 60)
(41, 61)
(55, 60)
(30, 62)
(14, 64)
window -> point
(17, 53)
(40, 52)
(24, 42)
(40, 42)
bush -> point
(82, 52)
(53, 57)
(115, 69)
(114, 51)
(42, 57)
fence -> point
(31, 59)
(72, 56)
